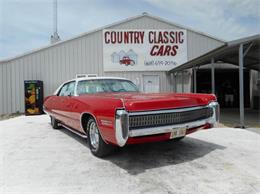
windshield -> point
(105, 85)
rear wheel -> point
(96, 144)
(54, 123)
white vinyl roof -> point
(95, 78)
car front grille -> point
(169, 118)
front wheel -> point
(96, 144)
(178, 139)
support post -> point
(241, 86)
(212, 76)
(195, 80)
(182, 82)
(175, 82)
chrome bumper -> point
(165, 129)
(123, 132)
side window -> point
(71, 88)
(82, 88)
(67, 89)
(63, 90)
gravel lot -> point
(36, 159)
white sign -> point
(144, 50)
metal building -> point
(61, 61)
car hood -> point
(158, 101)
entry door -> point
(151, 83)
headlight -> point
(121, 127)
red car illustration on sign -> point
(127, 61)
(110, 112)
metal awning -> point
(228, 53)
(243, 53)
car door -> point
(57, 100)
(68, 104)
(63, 105)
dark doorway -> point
(226, 86)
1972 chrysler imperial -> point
(111, 112)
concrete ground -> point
(36, 159)
(231, 117)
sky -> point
(27, 24)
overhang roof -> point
(228, 53)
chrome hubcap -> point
(93, 135)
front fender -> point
(103, 111)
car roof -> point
(88, 78)
(95, 78)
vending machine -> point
(33, 96)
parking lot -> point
(34, 158)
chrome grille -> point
(163, 119)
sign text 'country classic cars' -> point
(140, 50)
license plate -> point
(178, 132)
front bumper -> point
(123, 132)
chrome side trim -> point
(74, 131)
(167, 111)
(166, 129)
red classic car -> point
(111, 112)
(127, 61)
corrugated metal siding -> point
(61, 62)
(198, 44)
(1, 89)
(6, 92)
(53, 65)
